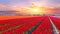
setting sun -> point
(34, 9)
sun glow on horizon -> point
(34, 9)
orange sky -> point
(24, 6)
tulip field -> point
(31, 25)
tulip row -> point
(44, 28)
(56, 21)
(18, 26)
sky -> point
(27, 2)
(12, 4)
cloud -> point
(4, 7)
(17, 4)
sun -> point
(35, 10)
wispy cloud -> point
(6, 5)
